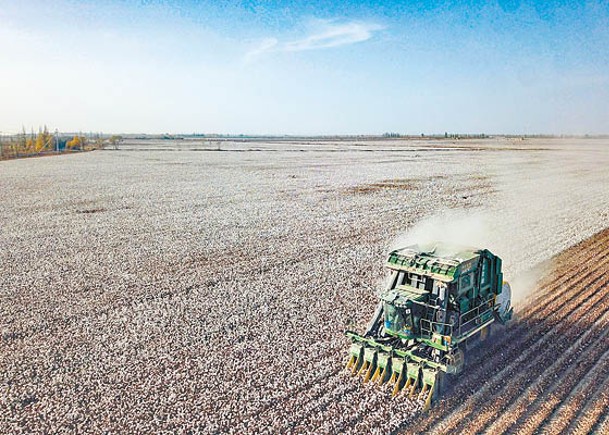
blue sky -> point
(287, 67)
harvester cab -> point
(439, 300)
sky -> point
(305, 67)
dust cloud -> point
(475, 229)
(451, 227)
(524, 284)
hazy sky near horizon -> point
(305, 67)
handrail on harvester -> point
(488, 304)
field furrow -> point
(176, 291)
(569, 365)
(568, 388)
(519, 351)
(580, 411)
(545, 323)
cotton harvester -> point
(440, 300)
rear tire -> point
(485, 333)
(445, 385)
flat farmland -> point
(204, 286)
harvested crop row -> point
(563, 393)
(579, 409)
(546, 371)
(575, 323)
(506, 353)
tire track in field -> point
(572, 267)
(583, 266)
(602, 427)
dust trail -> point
(478, 229)
(524, 284)
(449, 226)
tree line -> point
(44, 142)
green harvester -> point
(441, 300)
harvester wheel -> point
(457, 361)
(497, 328)
(485, 333)
(445, 382)
(475, 340)
(470, 343)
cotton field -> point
(205, 287)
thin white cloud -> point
(327, 34)
(264, 46)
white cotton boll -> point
(210, 291)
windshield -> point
(398, 319)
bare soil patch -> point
(392, 184)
